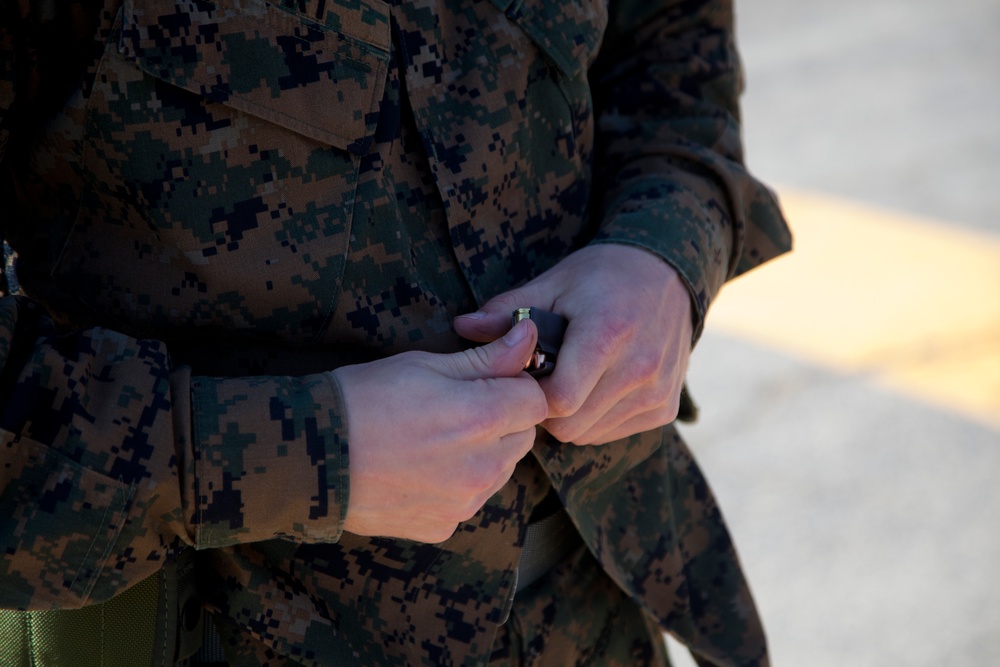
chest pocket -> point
(222, 148)
(314, 70)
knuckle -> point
(490, 420)
(655, 399)
(420, 358)
(640, 368)
(660, 416)
(468, 510)
(524, 441)
(664, 402)
(670, 411)
(479, 478)
(482, 421)
(563, 402)
(466, 506)
(561, 432)
(537, 408)
(478, 357)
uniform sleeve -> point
(112, 460)
(669, 161)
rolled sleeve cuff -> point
(689, 231)
(271, 459)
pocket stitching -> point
(275, 18)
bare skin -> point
(461, 422)
(623, 360)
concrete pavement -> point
(895, 103)
(850, 392)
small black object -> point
(551, 328)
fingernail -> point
(478, 315)
(516, 334)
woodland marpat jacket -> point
(215, 202)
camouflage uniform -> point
(214, 200)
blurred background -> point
(850, 391)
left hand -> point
(622, 363)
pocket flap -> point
(320, 74)
(568, 32)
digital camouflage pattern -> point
(576, 615)
(216, 202)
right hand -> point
(433, 436)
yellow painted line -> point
(910, 302)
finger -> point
(515, 447)
(512, 406)
(510, 449)
(584, 358)
(626, 389)
(482, 412)
(493, 319)
(481, 327)
(649, 406)
(482, 499)
(599, 435)
(520, 443)
(504, 357)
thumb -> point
(504, 357)
(492, 320)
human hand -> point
(623, 360)
(433, 436)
